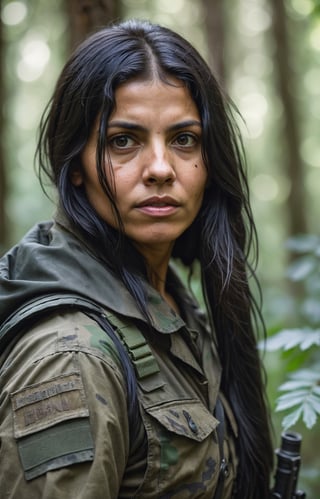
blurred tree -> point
(85, 16)
(296, 212)
(3, 180)
(215, 28)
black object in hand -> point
(288, 465)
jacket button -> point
(192, 425)
(225, 468)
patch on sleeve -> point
(51, 425)
(57, 447)
(39, 406)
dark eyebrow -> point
(134, 126)
(127, 125)
(185, 124)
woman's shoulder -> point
(58, 334)
(61, 387)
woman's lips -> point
(159, 205)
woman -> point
(113, 385)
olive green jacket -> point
(64, 426)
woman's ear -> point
(76, 177)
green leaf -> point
(316, 390)
(295, 384)
(311, 374)
(309, 415)
(287, 404)
(291, 419)
(302, 268)
(290, 338)
(302, 390)
(291, 399)
(311, 309)
(315, 401)
(304, 243)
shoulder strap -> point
(130, 336)
(137, 347)
(35, 309)
(135, 356)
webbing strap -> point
(138, 349)
(133, 340)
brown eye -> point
(121, 142)
(185, 140)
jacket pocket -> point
(187, 418)
(182, 451)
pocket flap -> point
(188, 418)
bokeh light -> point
(265, 187)
(315, 37)
(302, 7)
(35, 55)
(14, 13)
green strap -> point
(138, 349)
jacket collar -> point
(54, 258)
(110, 292)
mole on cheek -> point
(196, 166)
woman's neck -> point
(157, 263)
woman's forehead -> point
(140, 95)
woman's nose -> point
(159, 166)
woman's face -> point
(154, 143)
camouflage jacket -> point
(64, 425)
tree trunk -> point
(3, 180)
(86, 16)
(297, 219)
(215, 23)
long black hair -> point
(224, 228)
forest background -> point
(265, 54)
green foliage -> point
(316, 8)
(302, 397)
(286, 339)
(301, 393)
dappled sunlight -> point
(302, 7)
(171, 7)
(254, 18)
(310, 150)
(314, 37)
(36, 35)
(14, 13)
(266, 187)
(312, 81)
(253, 107)
(35, 54)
